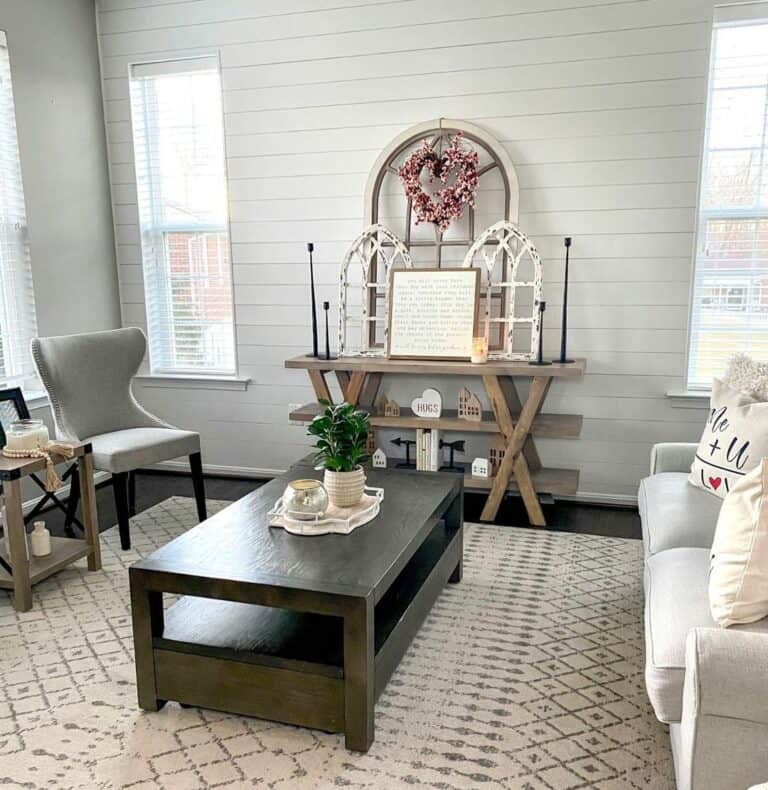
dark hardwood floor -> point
(153, 487)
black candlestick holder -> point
(563, 358)
(407, 443)
(456, 446)
(310, 250)
(326, 308)
(540, 359)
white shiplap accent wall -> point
(600, 104)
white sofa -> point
(709, 684)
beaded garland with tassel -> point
(52, 480)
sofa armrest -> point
(724, 726)
(672, 457)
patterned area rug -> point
(526, 675)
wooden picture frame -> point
(432, 348)
(16, 396)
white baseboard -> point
(587, 497)
(221, 470)
(594, 498)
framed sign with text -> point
(432, 313)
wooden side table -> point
(18, 573)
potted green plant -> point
(341, 433)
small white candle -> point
(479, 350)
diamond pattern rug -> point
(526, 675)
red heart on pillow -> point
(715, 482)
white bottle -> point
(40, 540)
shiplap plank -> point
(475, 104)
(582, 294)
(623, 270)
(532, 201)
(624, 70)
(125, 16)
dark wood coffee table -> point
(304, 630)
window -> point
(17, 300)
(178, 139)
(730, 288)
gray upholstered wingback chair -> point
(88, 380)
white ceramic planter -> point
(345, 488)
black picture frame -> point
(15, 395)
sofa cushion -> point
(734, 441)
(738, 579)
(675, 514)
(676, 583)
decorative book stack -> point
(428, 450)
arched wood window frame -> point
(376, 244)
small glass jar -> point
(305, 500)
(24, 436)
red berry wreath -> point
(447, 203)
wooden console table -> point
(18, 573)
(521, 469)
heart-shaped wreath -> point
(448, 202)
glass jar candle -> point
(24, 436)
(479, 350)
(305, 500)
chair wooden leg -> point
(198, 483)
(72, 501)
(120, 486)
(132, 493)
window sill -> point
(188, 381)
(689, 399)
(37, 400)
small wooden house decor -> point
(481, 468)
(496, 452)
(370, 442)
(388, 407)
(379, 459)
(470, 407)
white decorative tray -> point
(335, 520)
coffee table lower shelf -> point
(285, 665)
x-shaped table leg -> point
(516, 432)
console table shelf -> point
(520, 469)
(549, 426)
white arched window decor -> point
(511, 267)
(365, 271)
(400, 241)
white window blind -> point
(729, 311)
(178, 139)
(17, 300)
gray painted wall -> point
(55, 72)
(59, 115)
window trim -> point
(27, 380)
(192, 381)
(755, 16)
(200, 62)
